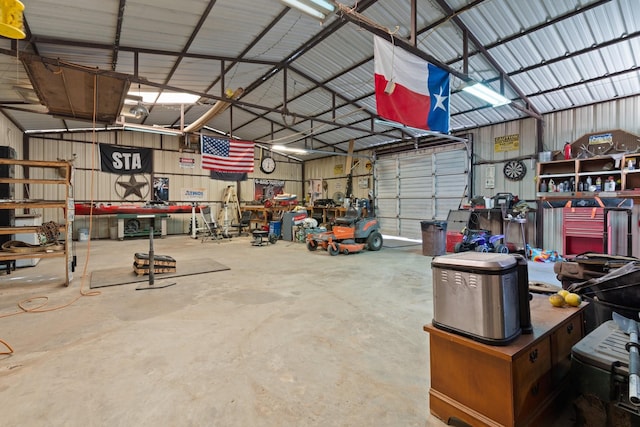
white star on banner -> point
(440, 100)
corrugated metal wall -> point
(572, 124)
(332, 170)
(558, 128)
(486, 156)
(91, 184)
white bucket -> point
(488, 203)
(544, 156)
(83, 234)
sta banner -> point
(124, 160)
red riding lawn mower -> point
(351, 233)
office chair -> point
(244, 223)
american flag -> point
(226, 155)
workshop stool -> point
(260, 237)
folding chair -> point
(210, 226)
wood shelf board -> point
(6, 255)
(36, 163)
(32, 181)
(27, 229)
(30, 204)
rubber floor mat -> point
(126, 275)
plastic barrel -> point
(275, 227)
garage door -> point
(419, 185)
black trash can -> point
(434, 238)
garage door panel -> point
(386, 167)
(411, 228)
(416, 187)
(387, 187)
(443, 206)
(448, 162)
(389, 226)
(414, 167)
(387, 208)
(419, 185)
(416, 208)
(450, 186)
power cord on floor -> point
(39, 309)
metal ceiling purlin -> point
(529, 109)
(530, 30)
(331, 28)
(242, 54)
(309, 90)
(116, 41)
(185, 48)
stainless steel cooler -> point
(476, 295)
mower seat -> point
(349, 218)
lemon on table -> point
(563, 292)
(556, 300)
(573, 299)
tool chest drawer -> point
(582, 230)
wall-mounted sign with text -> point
(506, 143)
(187, 163)
(193, 194)
(605, 138)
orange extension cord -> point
(22, 305)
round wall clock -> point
(268, 165)
(515, 170)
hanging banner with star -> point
(410, 90)
(125, 160)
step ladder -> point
(230, 212)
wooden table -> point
(512, 385)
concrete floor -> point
(286, 337)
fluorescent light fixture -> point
(316, 8)
(150, 129)
(290, 149)
(483, 92)
(165, 98)
(284, 148)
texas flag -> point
(409, 90)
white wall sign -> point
(193, 194)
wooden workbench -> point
(484, 385)
(328, 214)
(261, 215)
